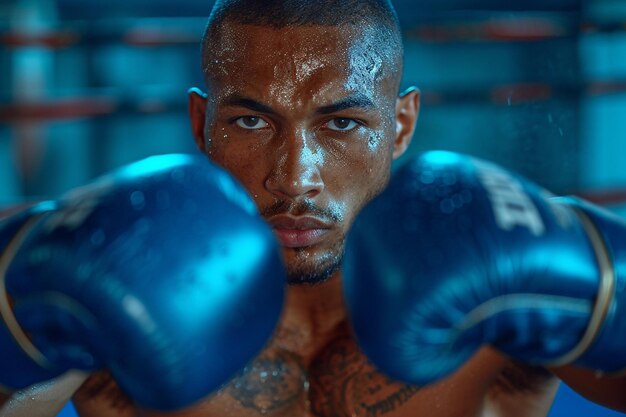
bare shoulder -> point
(607, 390)
(42, 400)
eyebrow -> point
(249, 103)
(358, 101)
(355, 101)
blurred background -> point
(537, 86)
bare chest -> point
(323, 376)
(338, 381)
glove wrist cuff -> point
(606, 290)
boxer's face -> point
(308, 120)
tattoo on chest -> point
(273, 381)
(344, 383)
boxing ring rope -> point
(96, 104)
(183, 31)
(467, 26)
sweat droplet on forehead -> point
(294, 66)
(366, 61)
(370, 63)
(306, 68)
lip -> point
(299, 232)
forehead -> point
(298, 60)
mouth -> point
(299, 232)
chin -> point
(305, 268)
(311, 278)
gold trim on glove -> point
(606, 291)
(6, 312)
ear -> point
(197, 114)
(407, 112)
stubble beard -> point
(306, 268)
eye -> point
(342, 125)
(251, 122)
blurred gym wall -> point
(86, 87)
(538, 86)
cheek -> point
(238, 160)
(375, 175)
(380, 152)
(361, 172)
(373, 158)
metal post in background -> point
(31, 70)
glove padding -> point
(162, 272)
(458, 253)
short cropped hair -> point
(279, 14)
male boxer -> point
(302, 106)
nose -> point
(296, 172)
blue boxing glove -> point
(458, 253)
(162, 272)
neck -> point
(318, 299)
(311, 314)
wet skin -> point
(309, 120)
(271, 117)
(305, 118)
